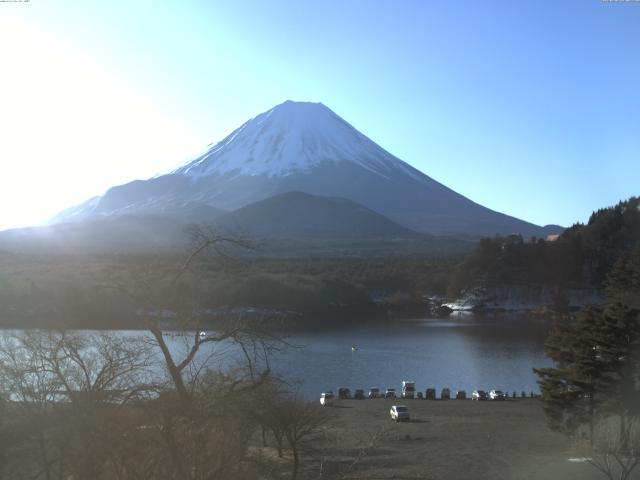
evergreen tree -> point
(573, 390)
(623, 283)
(581, 257)
(596, 376)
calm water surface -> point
(464, 354)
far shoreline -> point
(312, 323)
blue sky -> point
(530, 108)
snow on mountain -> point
(291, 137)
(305, 147)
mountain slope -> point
(293, 224)
(306, 147)
(301, 215)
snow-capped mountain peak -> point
(290, 137)
(300, 147)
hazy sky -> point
(531, 108)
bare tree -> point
(5, 434)
(266, 409)
(331, 469)
(32, 391)
(67, 391)
(614, 450)
(101, 406)
(206, 390)
(299, 420)
(181, 296)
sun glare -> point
(68, 123)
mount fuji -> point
(301, 147)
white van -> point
(408, 389)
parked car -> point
(344, 392)
(408, 389)
(399, 413)
(326, 398)
(390, 393)
(479, 395)
(374, 392)
(445, 394)
(430, 394)
(358, 394)
(461, 395)
(496, 395)
(419, 396)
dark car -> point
(430, 394)
(358, 394)
(344, 392)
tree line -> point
(581, 257)
(78, 292)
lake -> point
(463, 353)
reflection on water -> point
(463, 354)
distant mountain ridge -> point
(303, 147)
(293, 224)
(299, 214)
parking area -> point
(456, 439)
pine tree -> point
(596, 377)
(573, 390)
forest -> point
(97, 291)
(101, 291)
(581, 257)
